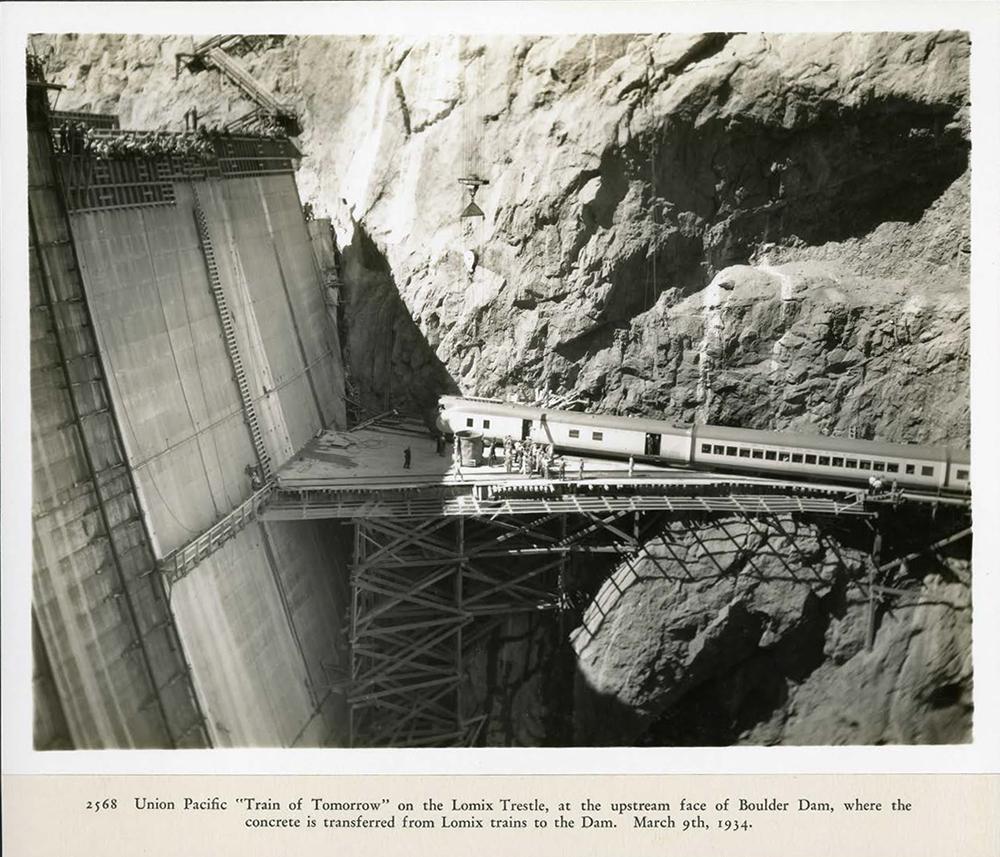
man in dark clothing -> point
(406, 458)
(440, 444)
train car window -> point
(770, 454)
(783, 456)
(744, 453)
(910, 469)
(824, 461)
(797, 457)
(758, 453)
(892, 468)
(597, 435)
(851, 463)
(878, 466)
(961, 474)
(706, 447)
(837, 462)
(486, 423)
(730, 450)
(718, 450)
(574, 432)
(926, 471)
(865, 465)
(810, 459)
(468, 422)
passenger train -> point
(713, 447)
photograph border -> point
(981, 20)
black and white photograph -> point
(500, 390)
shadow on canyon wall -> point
(388, 359)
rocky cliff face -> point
(761, 230)
(758, 632)
(626, 175)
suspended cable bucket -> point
(472, 134)
(472, 210)
(473, 183)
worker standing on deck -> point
(440, 444)
(562, 469)
(492, 460)
(406, 458)
(458, 448)
(581, 468)
(508, 459)
(631, 466)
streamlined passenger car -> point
(835, 458)
(713, 447)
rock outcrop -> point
(756, 632)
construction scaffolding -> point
(270, 111)
(427, 591)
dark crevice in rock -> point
(707, 46)
(403, 107)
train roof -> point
(834, 444)
(769, 438)
(644, 424)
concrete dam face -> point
(181, 350)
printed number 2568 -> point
(98, 805)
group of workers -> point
(529, 458)
(876, 487)
(77, 138)
(522, 456)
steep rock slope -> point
(625, 173)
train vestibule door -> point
(653, 444)
(525, 429)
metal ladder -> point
(232, 346)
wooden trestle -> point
(425, 592)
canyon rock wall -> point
(626, 175)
